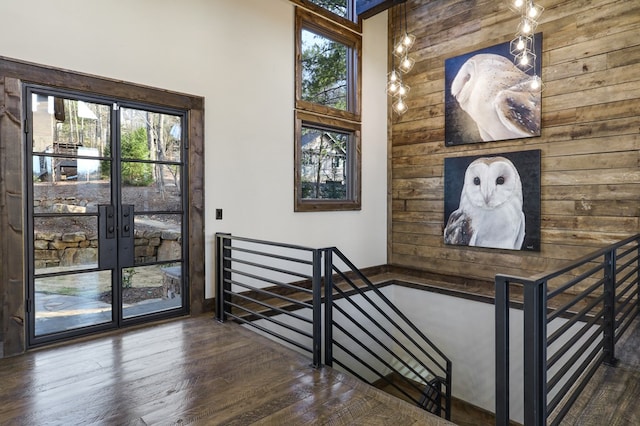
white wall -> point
(465, 331)
(239, 55)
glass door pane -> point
(151, 176)
(69, 178)
(105, 219)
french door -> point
(105, 215)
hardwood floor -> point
(611, 396)
(188, 371)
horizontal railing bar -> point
(573, 340)
(574, 395)
(266, 330)
(614, 264)
(546, 276)
(561, 311)
(621, 267)
(269, 280)
(269, 293)
(270, 268)
(273, 320)
(371, 352)
(265, 243)
(582, 350)
(623, 324)
(373, 370)
(270, 307)
(574, 379)
(375, 339)
(578, 353)
(391, 305)
(574, 319)
(366, 314)
(271, 255)
(551, 294)
(632, 249)
(632, 309)
(622, 305)
(623, 279)
(406, 321)
(620, 293)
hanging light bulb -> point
(392, 88)
(523, 46)
(400, 107)
(403, 41)
(535, 10)
(535, 84)
(408, 40)
(403, 89)
(406, 64)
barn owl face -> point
(491, 182)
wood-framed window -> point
(327, 164)
(327, 121)
(342, 12)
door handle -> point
(126, 249)
(107, 241)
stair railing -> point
(250, 287)
(572, 319)
(365, 319)
(258, 282)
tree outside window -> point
(339, 7)
(328, 75)
(324, 173)
(324, 71)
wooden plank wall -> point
(12, 318)
(590, 181)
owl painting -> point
(498, 96)
(490, 212)
(489, 98)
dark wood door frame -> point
(12, 265)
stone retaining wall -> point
(81, 248)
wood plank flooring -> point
(611, 397)
(188, 371)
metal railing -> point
(396, 350)
(256, 281)
(572, 319)
(283, 290)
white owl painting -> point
(490, 212)
(489, 98)
(497, 95)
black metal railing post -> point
(316, 286)
(609, 330)
(223, 275)
(449, 393)
(328, 307)
(502, 351)
(535, 353)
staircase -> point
(317, 301)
